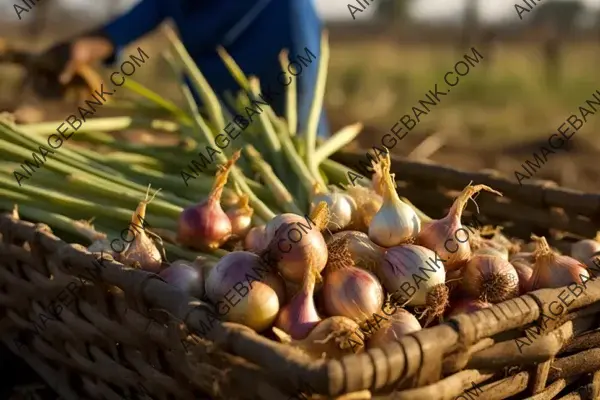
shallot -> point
(368, 203)
(583, 250)
(185, 276)
(551, 270)
(363, 251)
(490, 278)
(443, 235)
(341, 206)
(399, 324)
(240, 217)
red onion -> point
(551, 270)
(466, 306)
(525, 272)
(299, 316)
(255, 239)
(296, 246)
(331, 338)
(185, 276)
(400, 323)
(245, 290)
(445, 236)
(417, 275)
(205, 225)
(490, 278)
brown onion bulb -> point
(442, 235)
(401, 323)
(583, 250)
(551, 270)
(331, 338)
(240, 217)
(206, 225)
(467, 306)
(349, 291)
(491, 279)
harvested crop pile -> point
(271, 234)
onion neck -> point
(461, 201)
(221, 178)
(320, 215)
(388, 186)
(542, 251)
(140, 212)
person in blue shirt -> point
(252, 31)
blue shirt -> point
(252, 31)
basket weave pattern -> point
(121, 332)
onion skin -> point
(367, 204)
(257, 305)
(342, 209)
(491, 279)
(331, 338)
(442, 235)
(206, 225)
(352, 292)
(583, 250)
(186, 277)
(401, 323)
(255, 239)
(240, 217)
(551, 270)
(525, 272)
(467, 306)
(299, 316)
(295, 247)
(363, 251)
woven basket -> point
(124, 333)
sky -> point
(490, 10)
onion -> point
(527, 257)
(244, 277)
(363, 252)
(490, 247)
(525, 272)
(331, 338)
(240, 217)
(583, 250)
(419, 274)
(299, 316)
(400, 323)
(141, 251)
(467, 306)
(185, 276)
(296, 246)
(205, 225)
(368, 203)
(395, 222)
(551, 270)
(255, 239)
(490, 278)
(442, 235)
(349, 291)
(341, 206)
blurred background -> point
(536, 72)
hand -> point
(85, 51)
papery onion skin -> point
(206, 225)
(296, 246)
(255, 239)
(298, 317)
(342, 209)
(551, 270)
(253, 301)
(352, 292)
(490, 278)
(525, 272)
(186, 277)
(367, 204)
(363, 251)
(399, 272)
(442, 235)
(467, 306)
(583, 250)
(396, 222)
(331, 338)
(492, 251)
(240, 217)
(400, 323)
